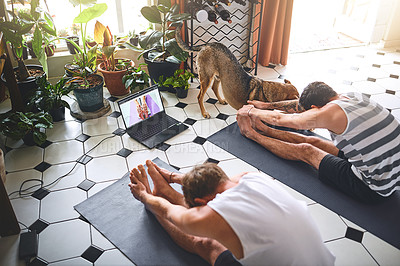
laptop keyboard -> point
(154, 128)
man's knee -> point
(311, 154)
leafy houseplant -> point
(162, 43)
(180, 81)
(136, 79)
(37, 20)
(112, 69)
(18, 125)
(87, 86)
(22, 23)
(48, 97)
(85, 60)
(162, 53)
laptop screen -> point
(140, 106)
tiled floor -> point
(65, 239)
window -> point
(122, 16)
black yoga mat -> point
(131, 228)
(382, 220)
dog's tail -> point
(182, 44)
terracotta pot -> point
(113, 80)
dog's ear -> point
(287, 81)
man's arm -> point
(289, 106)
(330, 116)
(192, 221)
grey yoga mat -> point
(131, 228)
(382, 220)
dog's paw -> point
(206, 115)
(223, 102)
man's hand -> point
(169, 176)
(244, 121)
(262, 105)
(139, 184)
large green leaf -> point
(39, 137)
(38, 48)
(48, 29)
(90, 13)
(26, 17)
(109, 50)
(149, 40)
(175, 9)
(83, 2)
(173, 59)
(34, 13)
(10, 25)
(37, 41)
(49, 19)
(179, 17)
(26, 28)
(173, 48)
(151, 13)
(166, 3)
(163, 9)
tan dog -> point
(217, 65)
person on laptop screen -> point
(142, 107)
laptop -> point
(145, 119)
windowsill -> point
(57, 62)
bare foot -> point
(161, 186)
(141, 176)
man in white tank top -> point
(364, 158)
(250, 216)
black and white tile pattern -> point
(67, 239)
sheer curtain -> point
(274, 31)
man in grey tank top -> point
(363, 160)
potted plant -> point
(136, 79)
(48, 98)
(133, 38)
(88, 91)
(40, 23)
(161, 52)
(112, 69)
(85, 60)
(180, 81)
(27, 126)
(74, 37)
(70, 46)
(87, 86)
